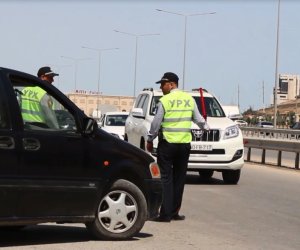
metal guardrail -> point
(280, 140)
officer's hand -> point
(149, 146)
(206, 128)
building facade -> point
(90, 101)
(288, 88)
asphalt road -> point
(261, 212)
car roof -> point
(193, 92)
(117, 113)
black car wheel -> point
(121, 212)
(231, 176)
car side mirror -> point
(137, 112)
(89, 126)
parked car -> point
(241, 123)
(265, 124)
(72, 172)
(221, 149)
(114, 123)
(296, 125)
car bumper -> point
(196, 164)
(154, 196)
(222, 155)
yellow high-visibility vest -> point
(177, 122)
(31, 107)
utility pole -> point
(238, 97)
(263, 95)
(276, 67)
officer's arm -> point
(156, 123)
(49, 114)
(199, 119)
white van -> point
(220, 149)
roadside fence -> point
(279, 140)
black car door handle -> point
(7, 142)
(31, 144)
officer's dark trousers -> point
(173, 160)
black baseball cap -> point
(169, 77)
(46, 71)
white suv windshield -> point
(213, 108)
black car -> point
(62, 168)
(296, 125)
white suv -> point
(220, 149)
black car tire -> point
(12, 228)
(231, 176)
(206, 174)
(121, 212)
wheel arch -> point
(128, 173)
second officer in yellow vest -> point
(37, 105)
(172, 123)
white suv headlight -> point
(231, 132)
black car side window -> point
(4, 121)
(40, 110)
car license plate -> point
(202, 147)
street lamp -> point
(276, 67)
(75, 60)
(136, 52)
(58, 68)
(99, 69)
(185, 24)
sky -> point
(231, 53)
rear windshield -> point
(267, 123)
(213, 108)
(116, 120)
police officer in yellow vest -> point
(37, 105)
(172, 123)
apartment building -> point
(89, 101)
(288, 88)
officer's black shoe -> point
(162, 219)
(178, 217)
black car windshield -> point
(213, 108)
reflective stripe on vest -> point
(31, 107)
(177, 122)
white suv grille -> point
(200, 135)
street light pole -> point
(99, 70)
(185, 35)
(276, 67)
(136, 53)
(58, 69)
(75, 60)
